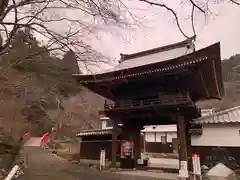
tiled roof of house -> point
(231, 115)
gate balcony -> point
(164, 101)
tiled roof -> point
(173, 61)
(227, 116)
(161, 57)
(188, 42)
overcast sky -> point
(159, 30)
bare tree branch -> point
(197, 6)
(235, 2)
(3, 6)
(72, 17)
(14, 29)
(63, 24)
(202, 7)
(192, 19)
(173, 13)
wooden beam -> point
(189, 145)
(136, 134)
(203, 82)
(215, 78)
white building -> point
(219, 129)
(166, 133)
(218, 142)
(160, 138)
(160, 133)
(220, 138)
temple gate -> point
(158, 86)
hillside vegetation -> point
(37, 92)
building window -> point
(163, 139)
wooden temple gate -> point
(160, 92)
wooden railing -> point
(167, 100)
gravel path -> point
(43, 165)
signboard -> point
(102, 159)
(220, 154)
(196, 164)
(126, 149)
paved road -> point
(34, 141)
(43, 165)
(153, 174)
(163, 163)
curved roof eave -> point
(164, 66)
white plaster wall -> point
(104, 124)
(150, 136)
(158, 136)
(157, 57)
(218, 135)
(171, 135)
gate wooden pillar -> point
(183, 147)
(189, 146)
(115, 133)
(136, 137)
